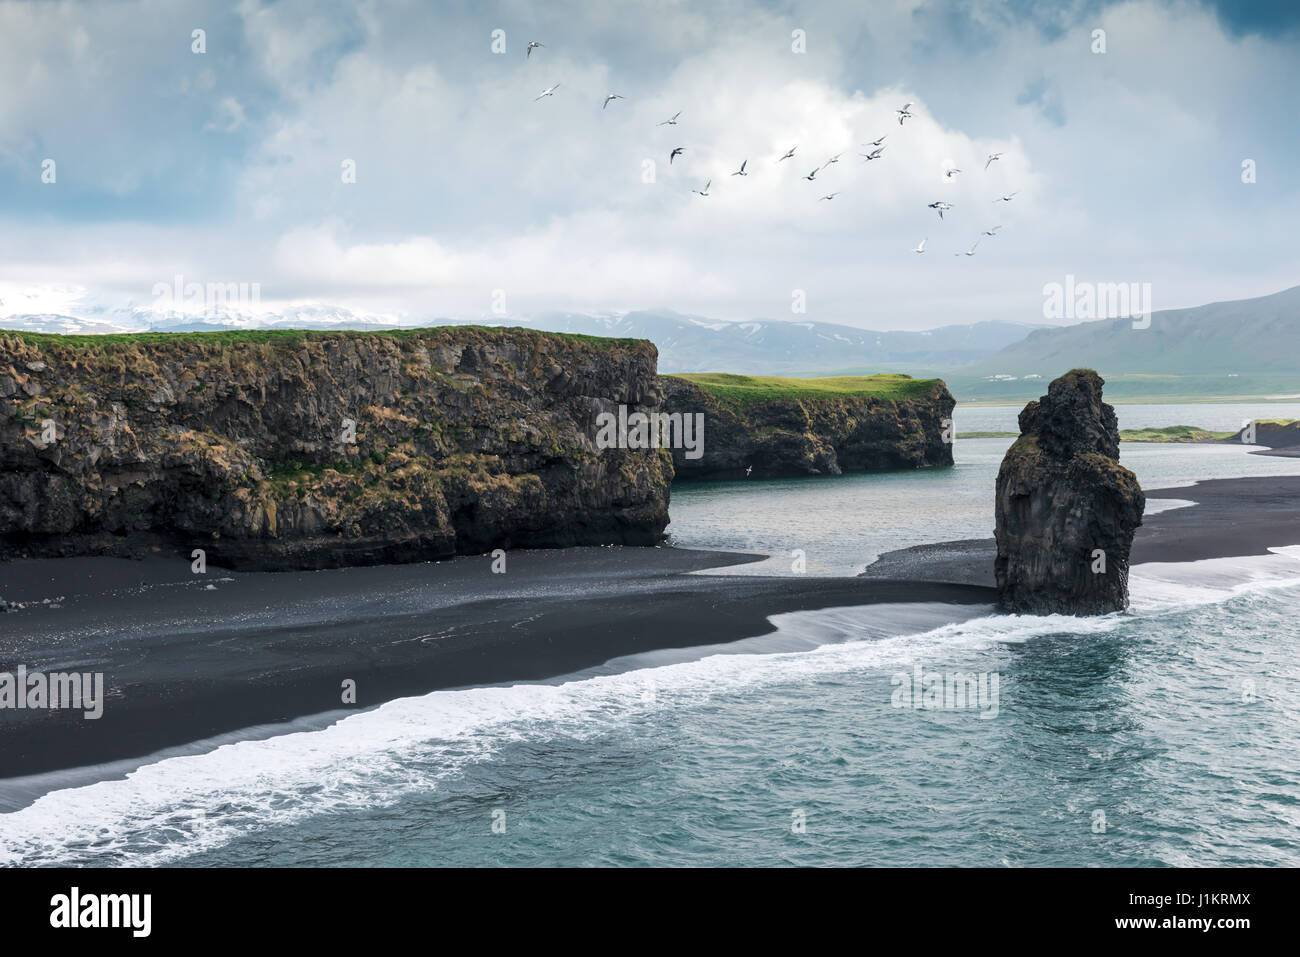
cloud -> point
(236, 163)
(229, 116)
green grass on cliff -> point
(746, 389)
(1174, 433)
(286, 337)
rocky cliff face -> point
(1275, 434)
(824, 434)
(303, 450)
(1066, 509)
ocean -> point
(1163, 736)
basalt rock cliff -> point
(273, 450)
(1066, 509)
(813, 434)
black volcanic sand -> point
(1243, 516)
(187, 657)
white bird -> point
(969, 252)
(993, 231)
(833, 159)
(949, 174)
(811, 176)
(830, 195)
(612, 96)
(879, 141)
(748, 469)
(550, 92)
(705, 191)
(940, 206)
(873, 155)
(741, 171)
(789, 154)
(921, 246)
(993, 158)
(1006, 198)
(903, 114)
(532, 44)
(675, 153)
(671, 121)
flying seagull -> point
(1006, 198)
(830, 195)
(881, 140)
(531, 45)
(940, 206)
(903, 114)
(833, 159)
(671, 121)
(921, 246)
(993, 231)
(675, 153)
(969, 252)
(612, 96)
(550, 92)
(873, 155)
(789, 154)
(705, 191)
(741, 171)
(811, 176)
(949, 174)
(993, 158)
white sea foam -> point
(412, 744)
(1163, 587)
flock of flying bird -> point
(876, 149)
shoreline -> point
(191, 657)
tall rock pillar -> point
(1066, 509)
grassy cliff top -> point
(286, 337)
(1174, 433)
(750, 388)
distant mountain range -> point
(1246, 346)
(686, 343)
(782, 347)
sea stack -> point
(1066, 508)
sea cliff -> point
(768, 427)
(316, 449)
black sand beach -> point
(189, 656)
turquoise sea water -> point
(1163, 736)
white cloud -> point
(229, 116)
(1125, 164)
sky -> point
(473, 199)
